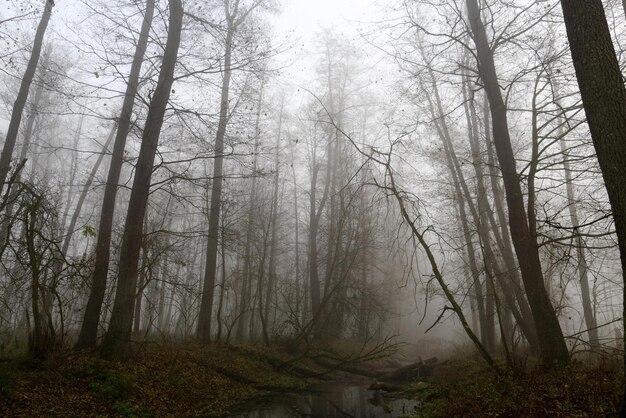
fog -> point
(328, 173)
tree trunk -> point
(89, 328)
(274, 229)
(116, 343)
(22, 95)
(553, 348)
(581, 264)
(604, 99)
(246, 280)
(461, 190)
(525, 321)
(85, 191)
(203, 332)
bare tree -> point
(553, 348)
(22, 95)
(89, 328)
(116, 343)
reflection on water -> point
(333, 401)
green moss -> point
(112, 385)
(7, 379)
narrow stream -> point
(331, 400)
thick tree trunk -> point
(553, 347)
(525, 320)
(604, 99)
(116, 343)
(89, 328)
(22, 95)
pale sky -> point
(307, 16)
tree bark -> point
(203, 332)
(604, 100)
(553, 348)
(22, 95)
(116, 343)
(89, 328)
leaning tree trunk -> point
(85, 191)
(22, 95)
(552, 344)
(604, 99)
(89, 328)
(116, 343)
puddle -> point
(331, 400)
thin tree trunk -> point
(22, 95)
(461, 190)
(210, 270)
(274, 228)
(483, 224)
(581, 265)
(222, 288)
(72, 178)
(252, 211)
(86, 190)
(297, 237)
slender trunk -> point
(116, 343)
(461, 191)
(581, 265)
(297, 237)
(484, 208)
(85, 191)
(22, 95)
(28, 134)
(72, 177)
(210, 270)
(252, 211)
(222, 288)
(274, 227)
(89, 328)
(553, 348)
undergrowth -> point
(464, 388)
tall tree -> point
(22, 95)
(116, 343)
(552, 344)
(89, 328)
(235, 17)
(604, 99)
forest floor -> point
(178, 380)
(464, 387)
(193, 380)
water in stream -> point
(331, 400)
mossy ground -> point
(173, 380)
